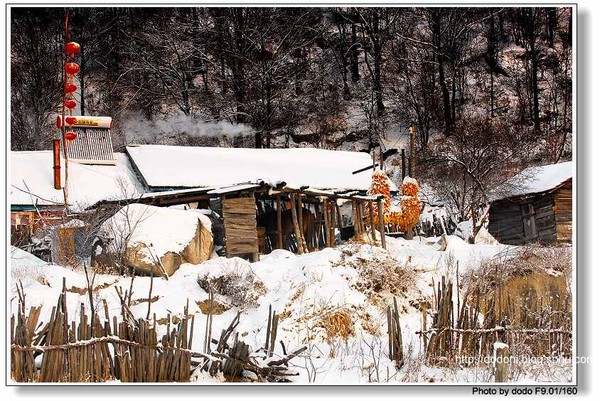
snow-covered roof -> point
(534, 180)
(163, 166)
(32, 182)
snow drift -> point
(154, 240)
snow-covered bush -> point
(234, 280)
(378, 272)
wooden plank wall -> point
(239, 217)
(545, 219)
(563, 202)
(506, 220)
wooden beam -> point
(296, 227)
(301, 239)
(361, 217)
(319, 226)
(332, 225)
(372, 221)
(381, 226)
(354, 219)
(279, 230)
(326, 220)
(339, 217)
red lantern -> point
(70, 136)
(70, 87)
(70, 104)
(72, 68)
(69, 120)
(73, 48)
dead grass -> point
(241, 289)
(84, 290)
(142, 300)
(379, 276)
(338, 324)
(524, 283)
(217, 307)
(368, 325)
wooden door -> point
(239, 217)
(529, 225)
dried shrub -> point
(234, 281)
(378, 274)
(527, 288)
(338, 324)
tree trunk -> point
(354, 55)
(535, 88)
(445, 97)
(378, 61)
(437, 40)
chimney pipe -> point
(56, 167)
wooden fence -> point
(85, 349)
(471, 333)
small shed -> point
(534, 206)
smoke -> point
(140, 130)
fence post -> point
(501, 361)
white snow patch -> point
(534, 179)
(32, 181)
(185, 166)
(163, 230)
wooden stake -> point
(501, 367)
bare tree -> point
(36, 66)
(474, 160)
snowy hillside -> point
(331, 301)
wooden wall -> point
(523, 220)
(545, 220)
(505, 222)
(563, 202)
(239, 217)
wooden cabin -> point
(535, 206)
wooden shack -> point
(534, 206)
(265, 199)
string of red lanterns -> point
(71, 69)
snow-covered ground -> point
(349, 286)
